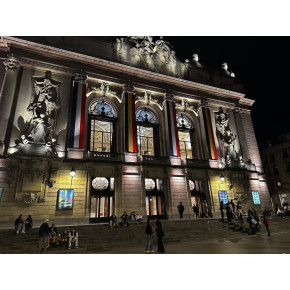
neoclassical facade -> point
(91, 126)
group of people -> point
(22, 226)
(195, 209)
(158, 232)
(281, 211)
(124, 219)
(235, 212)
(48, 236)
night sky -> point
(261, 63)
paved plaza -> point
(203, 236)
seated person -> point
(113, 221)
(139, 217)
(287, 212)
(73, 237)
(124, 219)
(132, 216)
(64, 238)
(19, 225)
(28, 222)
(53, 237)
(281, 212)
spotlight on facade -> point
(222, 178)
(72, 174)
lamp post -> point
(72, 174)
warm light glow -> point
(72, 172)
(222, 178)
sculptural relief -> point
(225, 137)
(42, 114)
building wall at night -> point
(276, 161)
(142, 130)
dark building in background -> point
(275, 156)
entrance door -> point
(102, 199)
(155, 202)
(197, 194)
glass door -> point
(155, 202)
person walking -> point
(266, 221)
(196, 211)
(160, 235)
(233, 205)
(257, 219)
(180, 208)
(149, 233)
(43, 236)
(252, 222)
(222, 210)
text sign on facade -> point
(223, 196)
(256, 197)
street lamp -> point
(72, 174)
(222, 178)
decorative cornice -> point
(128, 88)
(144, 74)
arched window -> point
(147, 132)
(102, 125)
(186, 136)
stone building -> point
(275, 155)
(92, 126)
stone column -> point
(77, 121)
(12, 65)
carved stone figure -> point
(42, 112)
(12, 63)
(225, 137)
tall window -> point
(102, 120)
(147, 132)
(186, 137)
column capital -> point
(169, 96)
(204, 102)
(128, 88)
(12, 63)
(81, 78)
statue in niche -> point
(43, 108)
(225, 137)
(42, 112)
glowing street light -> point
(72, 174)
(222, 178)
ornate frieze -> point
(129, 88)
(184, 105)
(30, 198)
(12, 63)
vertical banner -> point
(130, 123)
(209, 134)
(172, 129)
(77, 125)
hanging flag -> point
(130, 123)
(77, 125)
(209, 134)
(172, 129)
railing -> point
(196, 163)
(154, 159)
(105, 156)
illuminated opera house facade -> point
(91, 126)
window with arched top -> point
(147, 132)
(186, 136)
(102, 126)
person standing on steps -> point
(222, 210)
(43, 236)
(180, 208)
(195, 209)
(160, 234)
(19, 225)
(266, 221)
(149, 233)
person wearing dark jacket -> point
(149, 233)
(266, 221)
(160, 234)
(43, 236)
(19, 225)
(28, 222)
(228, 213)
(180, 208)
